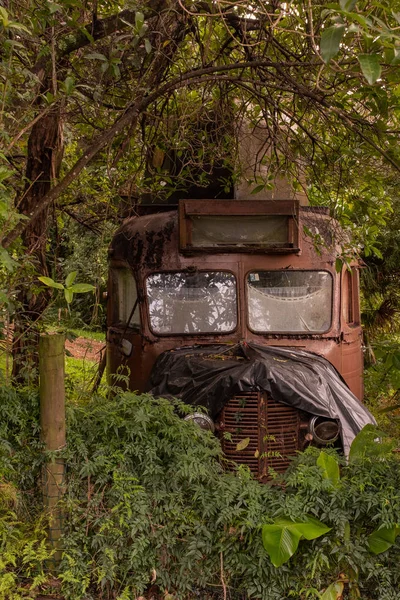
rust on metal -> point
(158, 243)
(271, 432)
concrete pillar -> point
(254, 165)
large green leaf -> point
(70, 278)
(370, 67)
(330, 41)
(280, 542)
(347, 5)
(333, 592)
(382, 539)
(139, 20)
(368, 444)
(69, 295)
(281, 539)
(82, 288)
(330, 467)
(51, 283)
(311, 528)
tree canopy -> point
(151, 97)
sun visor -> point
(209, 376)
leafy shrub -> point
(23, 551)
(382, 383)
(148, 503)
(20, 448)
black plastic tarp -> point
(210, 375)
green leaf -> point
(53, 7)
(258, 188)
(367, 444)
(243, 444)
(347, 532)
(82, 288)
(4, 17)
(139, 20)
(51, 283)
(6, 260)
(69, 295)
(396, 57)
(330, 41)
(70, 278)
(382, 539)
(69, 85)
(147, 45)
(347, 5)
(280, 542)
(376, 251)
(396, 360)
(49, 97)
(387, 409)
(282, 538)
(370, 67)
(96, 56)
(5, 173)
(338, 265)
(311, 528)
(330, 467)
(18, 26)
(333, 592)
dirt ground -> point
(85, 349)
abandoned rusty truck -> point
(237, 306)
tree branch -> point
(131, 116)
(97, 30)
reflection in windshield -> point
(202, 302)
(295, 301)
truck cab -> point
(210, 278)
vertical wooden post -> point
(52, 422)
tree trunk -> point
(44, 153)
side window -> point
(356, 295)
(124, 297)
(350, 299)
(347, 297)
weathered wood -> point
(52, 422)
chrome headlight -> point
(324, 431)
(202, 421)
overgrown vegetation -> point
(168, 87)
(148, 505)
(107, 105)
(23, 545)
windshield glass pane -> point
(290, 301)
(202, 302)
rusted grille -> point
(271, 429)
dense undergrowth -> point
(149, 506)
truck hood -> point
(210, 375)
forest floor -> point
(85, 348)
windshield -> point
(289, 301)
(201, 302)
